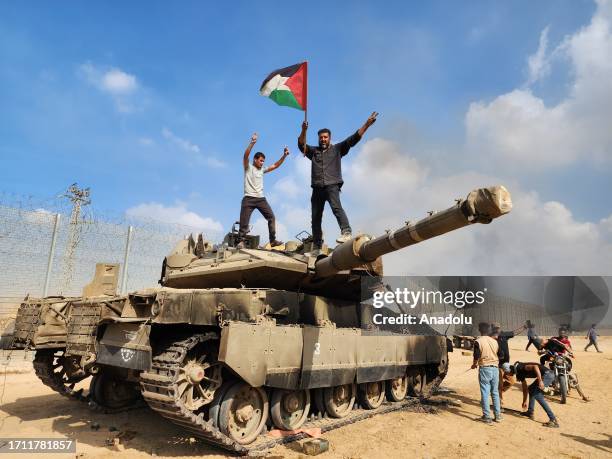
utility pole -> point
(79, 197)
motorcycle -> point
(561, 367)
(565, 380)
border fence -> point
(44, 253)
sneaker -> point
(276, 243)
(499, 418)
(344, 237)
(485, 419)
(527, 414)
(601, 352)
(554, 424)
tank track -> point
(43, 367)
(159, 392)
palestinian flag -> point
(287, 86)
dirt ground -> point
(29, 409)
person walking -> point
(486, 358)
(592, 337)
(531, 334)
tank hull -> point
(276, 344)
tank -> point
(235, 342)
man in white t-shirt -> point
(254, 193)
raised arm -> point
(520, 330)
(369, 122)
(352, 140)
(277, 164)
(247, 152)
(302, 138)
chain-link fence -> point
(46, 253)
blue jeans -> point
(536, 394)
(488, 377)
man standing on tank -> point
(326, 177)
(253, 192)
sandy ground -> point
(29, 409)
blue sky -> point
(152, 103)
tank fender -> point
(262, 353)
(126, 345)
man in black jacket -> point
(326, 177)
(505, 380)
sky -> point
(151, 104)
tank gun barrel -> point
(482, 205)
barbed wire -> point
(26, 234)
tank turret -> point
(334, 273)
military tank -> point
(236, 341)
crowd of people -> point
(496, 374)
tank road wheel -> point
(243, 413)
(371, 395)
(290, 408)
(215, 405)
(397, 389)
(339, 400)
(197, 381)
(113, 392)
(58, 371)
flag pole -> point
(306, 91)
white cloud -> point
(538, 64)
(537, 237)
(385, 186)
(606, 224)
(113, 81)
(117, 81)
(183, 144)
(120, 85)
(518, 126)
(177, 214)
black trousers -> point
(331, 194)
(248, 205)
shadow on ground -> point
(139, 429)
